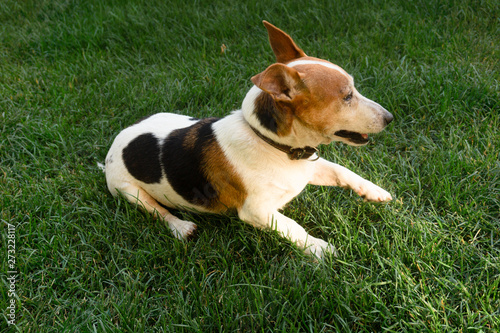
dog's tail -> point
(101, 166)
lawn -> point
(75, 259)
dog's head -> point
(301, 92)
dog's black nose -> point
(388, 117)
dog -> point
(254, 160)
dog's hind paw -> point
(183, 230)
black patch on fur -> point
(267, 112)
(142, 158)
(183, 161)
(194, 118)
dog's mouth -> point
(354, 137)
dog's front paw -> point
(371, 192)
(319, 248)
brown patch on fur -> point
(192, 135)
(323, 102)
(231, 194)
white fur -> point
(317, 62)
(271, 180)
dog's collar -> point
(293, 153)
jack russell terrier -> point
(256, 159)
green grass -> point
(74, 73)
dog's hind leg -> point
(136, 195)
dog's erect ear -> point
(283, 83)
(283, 46)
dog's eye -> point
(348, 97)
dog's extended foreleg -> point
(287, 228)
(331, 174)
